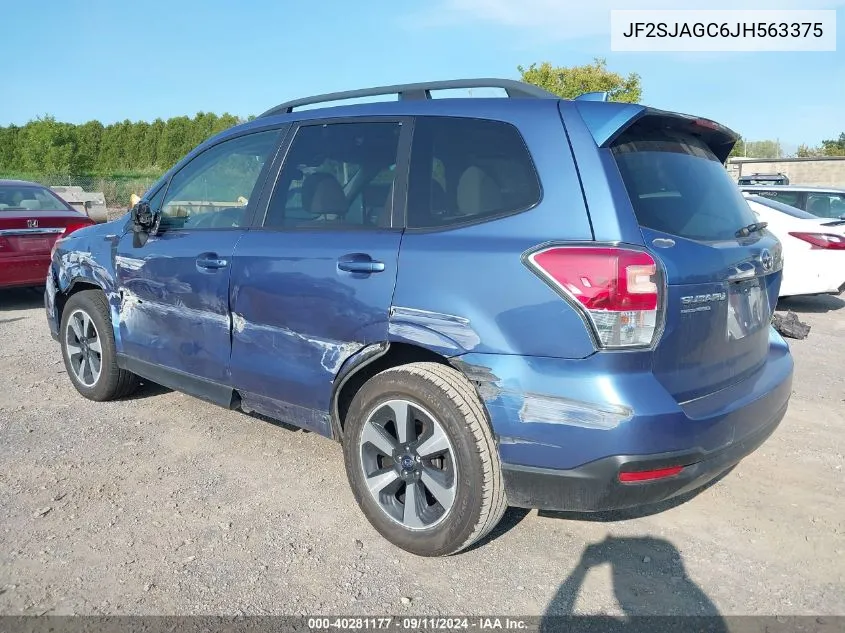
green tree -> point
(805, 151)
(176, 141)
(9, 147)
(764, 149)
(738, 149)
(89, 137)
(834, 147)
(46, 146)
(571, 81)
(150, 152)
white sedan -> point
(813, 247)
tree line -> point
(47, 146)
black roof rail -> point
(513, 88)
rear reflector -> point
(618, 289)
(649, 475)
(822, 240)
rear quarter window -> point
(466, 170)
(678, 186)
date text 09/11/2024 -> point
(416, 623)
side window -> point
(786, 197)
(213, 189)
(837, 205)
(337, 175)
(826, 205)
(465, 170)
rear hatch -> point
(722, 278)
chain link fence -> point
(117, 188)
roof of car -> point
(27, 183)
(792, 188)
(421, 91)
(497, 107)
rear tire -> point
(444, 464)
(88, 349)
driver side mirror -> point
(143, 216)
(144, 221)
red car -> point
(32, 218)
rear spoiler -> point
(607, 121)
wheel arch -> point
(76, 285)
(374, 359)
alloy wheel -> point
(84, 349)
(409, 464)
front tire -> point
(89, 351)
(421, 461)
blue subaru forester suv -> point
(526, 301)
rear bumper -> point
(596, 487)
(814, 273)
(566, 428)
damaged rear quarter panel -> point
(559, 413)
(468, 290)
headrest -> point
(322, 193)
(477, 192)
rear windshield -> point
(29, 198)
(678, 186)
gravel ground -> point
(163, 504)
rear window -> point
(678, 186)
(29, 198)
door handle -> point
(359, 263)
(211, 261)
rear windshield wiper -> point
(751, 228)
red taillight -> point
(75, 226)
(822, 240)
(649, 475)
(618, 289)
(69, 228)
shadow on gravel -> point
(21, 299)
(811, 305)
(510, 519)
(628, 514)
(282, 425)
(514, 516)
(151, 390)
(649, 579)
(148, 390)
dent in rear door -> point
(314, 283)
